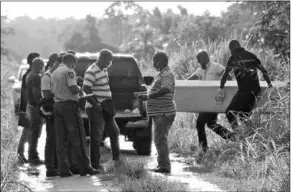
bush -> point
(263, 157)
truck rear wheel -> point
(143, 144)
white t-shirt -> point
(213, 71)
(46, 81)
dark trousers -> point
(99, 124)
(23, 121)
(162, 125)
(70, 132)
(23, 139)
(240, 106)
(210, 119)
(50, 152)
(36, 123)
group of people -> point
(56, 93)
(52, 97)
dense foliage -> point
(127, 27)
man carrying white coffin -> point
(208, 71)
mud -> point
(34, 177)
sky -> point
(61, 10)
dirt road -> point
(35, 178)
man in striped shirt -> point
(96, 82)
(162, 108)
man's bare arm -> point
(92, 100)
(265, 73)
(36, 94)
(193, 77)
(162, 91)
(224, 77)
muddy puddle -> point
(35, 179)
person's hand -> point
(220, 93)
(81, 93)
(142, 96)
(97, 107)
(136, 94)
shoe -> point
(161, 170)
(36, 162)
(75, 171)
(52, 173)
(98, 167)
(22, 159)
(69, 174)
(90, 171)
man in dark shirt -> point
(33, 84)
(22, 111)
(244, 65)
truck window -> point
(125, 68)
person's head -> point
(69, 60)
(52, 59)
(72, 52)
(31, 57)
(202, 58)
(60, 58)
(160, 61)
(37, 65)
(105, 58)
(233, 45)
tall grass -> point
(262, 158)
(9, 132)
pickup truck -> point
(125, 78)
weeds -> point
(136, 178)
(259, 161)
(9, 133)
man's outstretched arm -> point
(265, 73)
(224, 77)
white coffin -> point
(199, 96)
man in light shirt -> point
(96, 82)
(50, 145)
(209, 70)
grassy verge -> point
(9, 133)
(260, 162)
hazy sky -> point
(81, 9)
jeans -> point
(36, 123)
(70, 132)
(99, 124)
(162, 125)
(209, 119)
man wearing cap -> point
(23, 121)
(47, 108)
(67, 119)
(33, 84)
(208, 71)
(161, 108)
